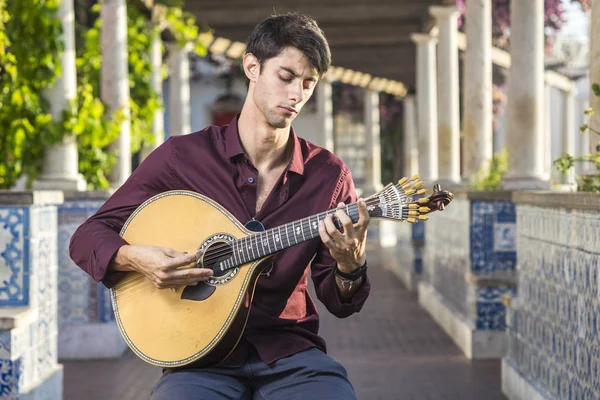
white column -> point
(594, 78)
(158, 123)
(568, 133)
(60, 165)
(448, 97)
(411, 152)
(547, 130)
(477, 86)
(179, 90)
(325, 115)
(114, 87)
(373, 153)
(427, 107)
(525, 107)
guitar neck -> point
(262, 244)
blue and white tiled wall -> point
(28, 281)
(476, 238)
(81, 300)
(554, 322)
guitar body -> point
(196, 324)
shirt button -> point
(251, 179)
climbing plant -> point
(25, 122)
(26, 125)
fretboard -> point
(271, 241)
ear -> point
(251, 67)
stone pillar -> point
(568, 136)
(448, 98)
(60, 166)
(594, 77)
(28, 292)
(114, 86)
(179, 90)
(411, 152)
(373, 154)
(325, 115)
(427, 107)
(525, 107)
(477, 85)
(159, 122)
(547, 133)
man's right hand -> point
(161, 265)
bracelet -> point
(354, 275)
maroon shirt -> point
(283, 319)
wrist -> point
(348, 269)
(354, 274)
(122, 259)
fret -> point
(314, 226)
(294, 231)
(234, 250)
(257, 245)
(245, 251)
(302, 229)
(287, 234)
(251, 247)
(279, 237)
(268, 241)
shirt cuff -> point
(103, 260)
(355, 303)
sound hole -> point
(214, 254)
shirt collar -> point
(233, 146)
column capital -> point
(443, 12)
(423, 38)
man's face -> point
(283, 86)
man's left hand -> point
(347, 247)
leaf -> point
(596, 89)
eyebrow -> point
(294, 73)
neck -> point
(267, 147)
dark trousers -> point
(309, 374)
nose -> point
(297, 93)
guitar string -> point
(224, 249)
(302, 225)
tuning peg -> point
(413, 213)
(409, 192)
(421, 191)
(411, 220)
(423, 200)
(415, 177)
(413, 206)
(419, 185)
(424, 210)
(402, 181)
(423, 217)
(406, 186)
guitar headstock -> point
(405, 201)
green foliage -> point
(144, 101)
(94, 130)
(586, 183)
(491, 178)
(25, 123)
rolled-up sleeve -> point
(323, 265)
(97, 240)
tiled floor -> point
(392, 350)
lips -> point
(289, 109)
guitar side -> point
(158, 325)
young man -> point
(258, 169)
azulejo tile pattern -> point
(14, 256)
(477, 238)
(28, 353)
(81, 299)
(554, 324)
(493, 236)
